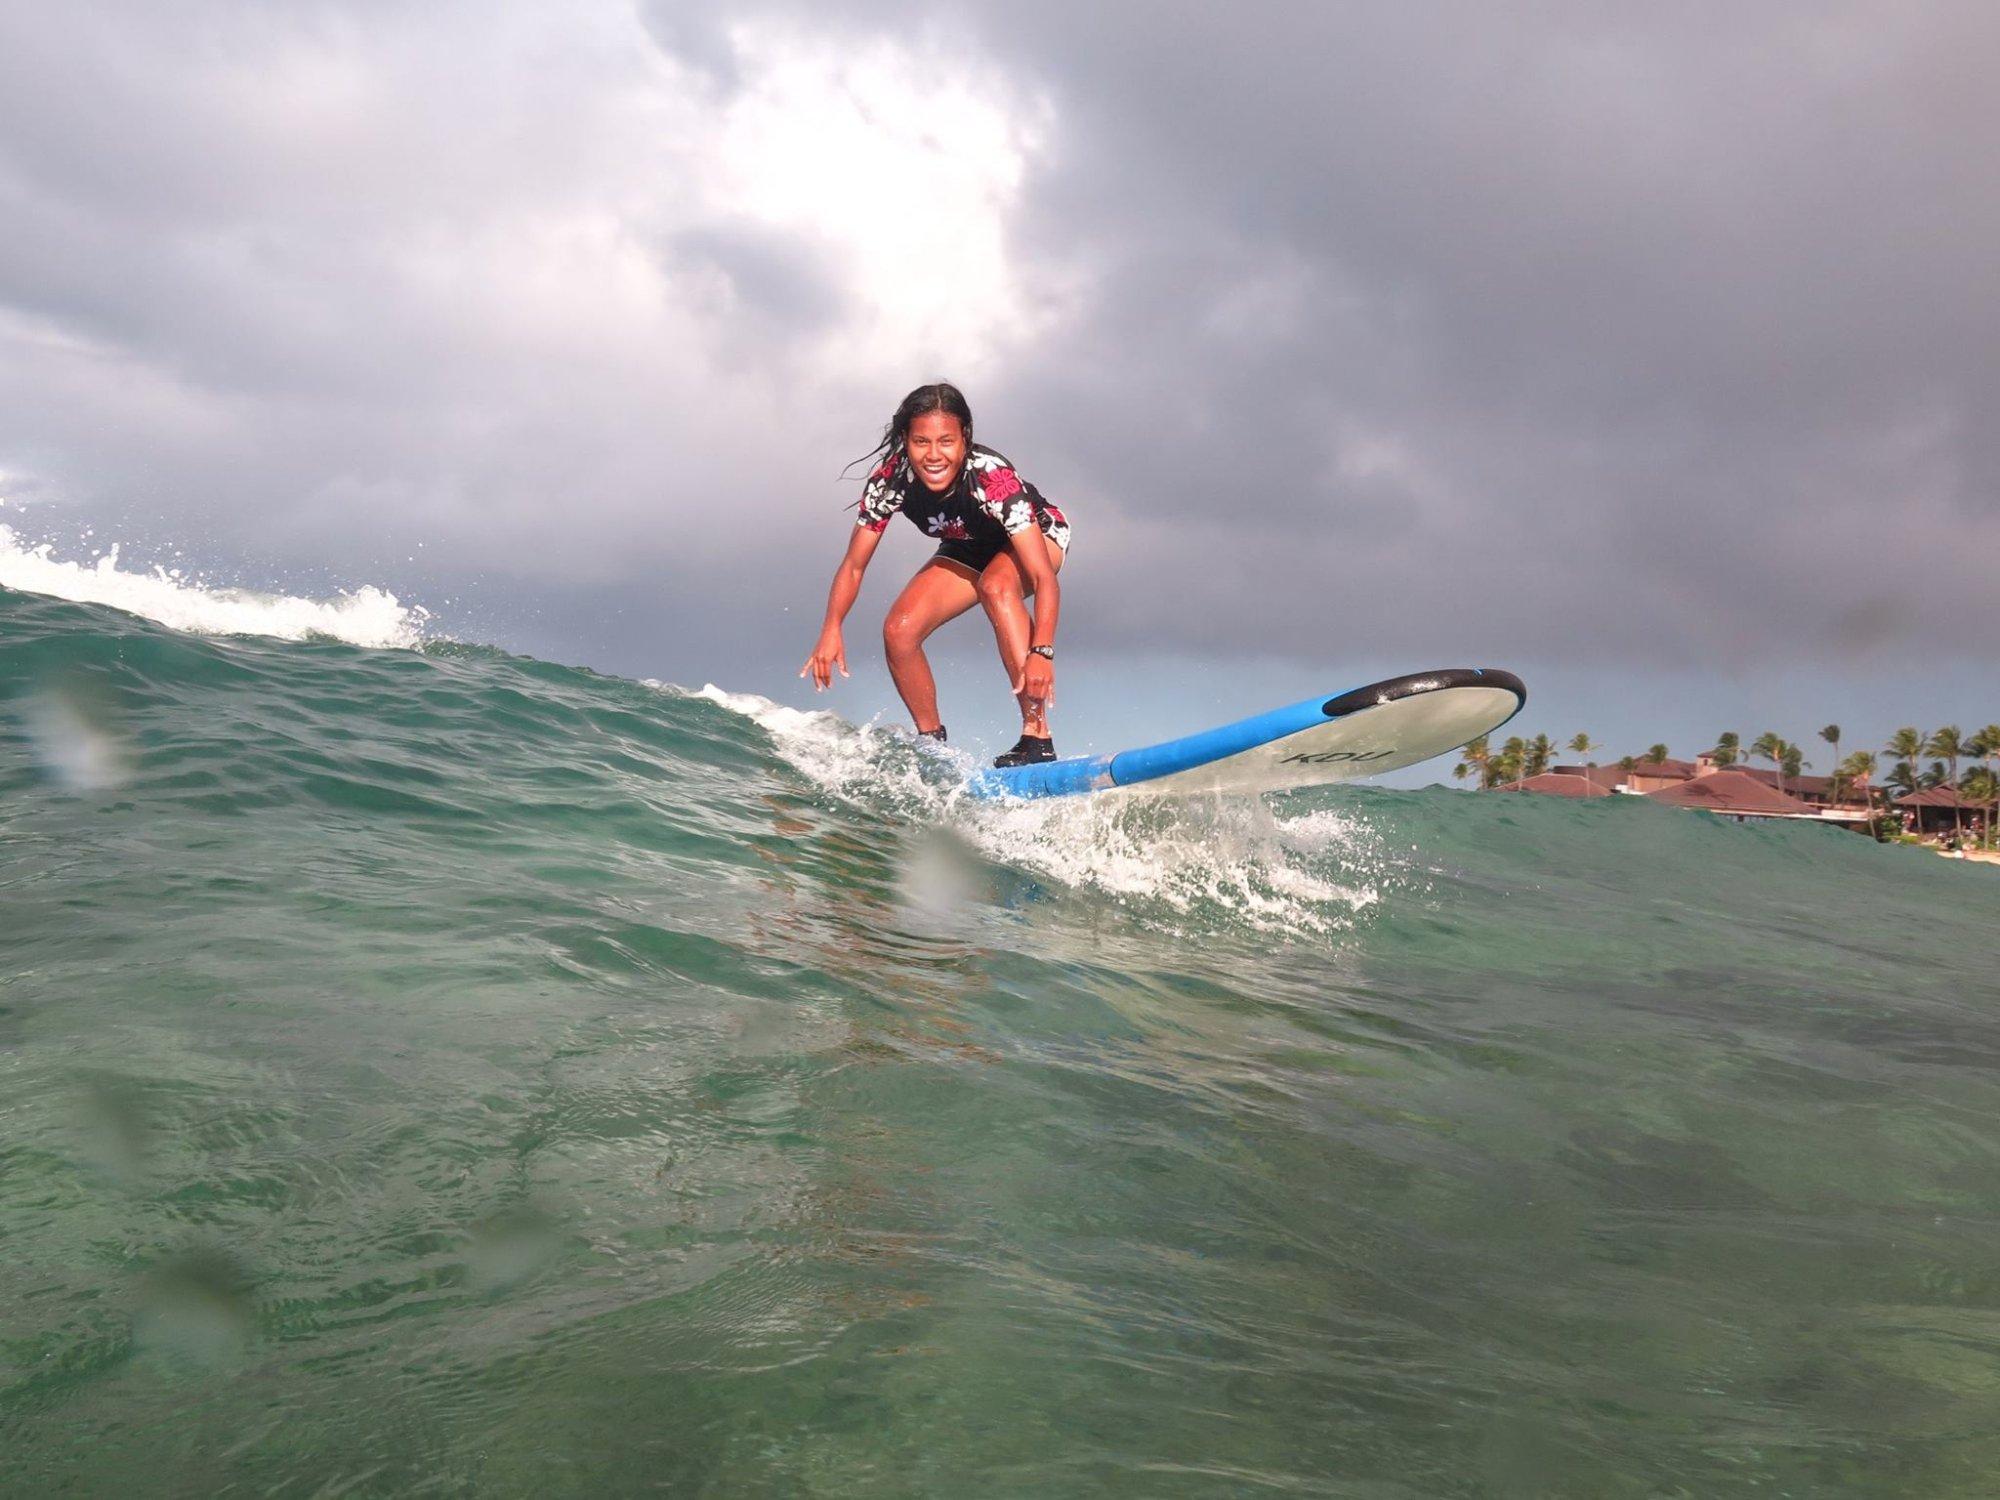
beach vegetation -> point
(1858, 767)
(1980, 785)
(1905, 777)
(1947, 744)
(1907, 746)
(1764, 746)
(1773, 747)
(1913, 760)
(1476, 759)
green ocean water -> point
(439, 1072)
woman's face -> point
(936, 448)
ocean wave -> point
(553, 1082)
(366, 616)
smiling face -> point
(936, 449)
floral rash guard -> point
(987, 503)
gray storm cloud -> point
(1569, 329)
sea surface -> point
(425, 1070)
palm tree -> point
(1657, 754)
(1507, 765)
(1831, 734)
(1907, 745)
(1792, 762)
(1728, 748)
(1857, 766)
(1841, 781)
(1980, 787)
(1979, 784)
(1988, 743)
(1771, 746)
(1474, 757)
(1581, 746)
(1948, 745)
(1539, 751)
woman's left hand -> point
(1037, 682)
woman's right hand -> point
(830, 653)
(827, 655)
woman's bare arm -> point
(1038, 572)
(830, 652)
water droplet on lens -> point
(197, 1308)
(74, 734)
(510, 1248)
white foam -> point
(366, 616)
(1310, 873)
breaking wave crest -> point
(182, 600)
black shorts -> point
(975, 553)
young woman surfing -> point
(1000, 544)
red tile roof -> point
(1556, 784)
(1941, 796)
(1609, 777)
(1815, 786)
(1668, 769)
(1732, 792)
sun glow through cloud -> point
(463, 259)
(902, 168)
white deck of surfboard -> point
(1384, 726)
(1387, 737)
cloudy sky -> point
(1648, 350)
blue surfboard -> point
(1381, 727)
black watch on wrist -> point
(1047, 653)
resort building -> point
(1562, 783)
(1744, 792)
(1941, 810)
(1733, 791)
(1649, 776)
(1645, 776)
(1818, 790)
(1740, 795)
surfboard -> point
(1384, 726)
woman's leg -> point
(941, 591)
(1003, 590)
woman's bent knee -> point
(902, 634)
(999, 593)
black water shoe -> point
(1029, 750)
(932, 734)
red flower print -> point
(1001, 483)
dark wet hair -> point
(924, 400)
